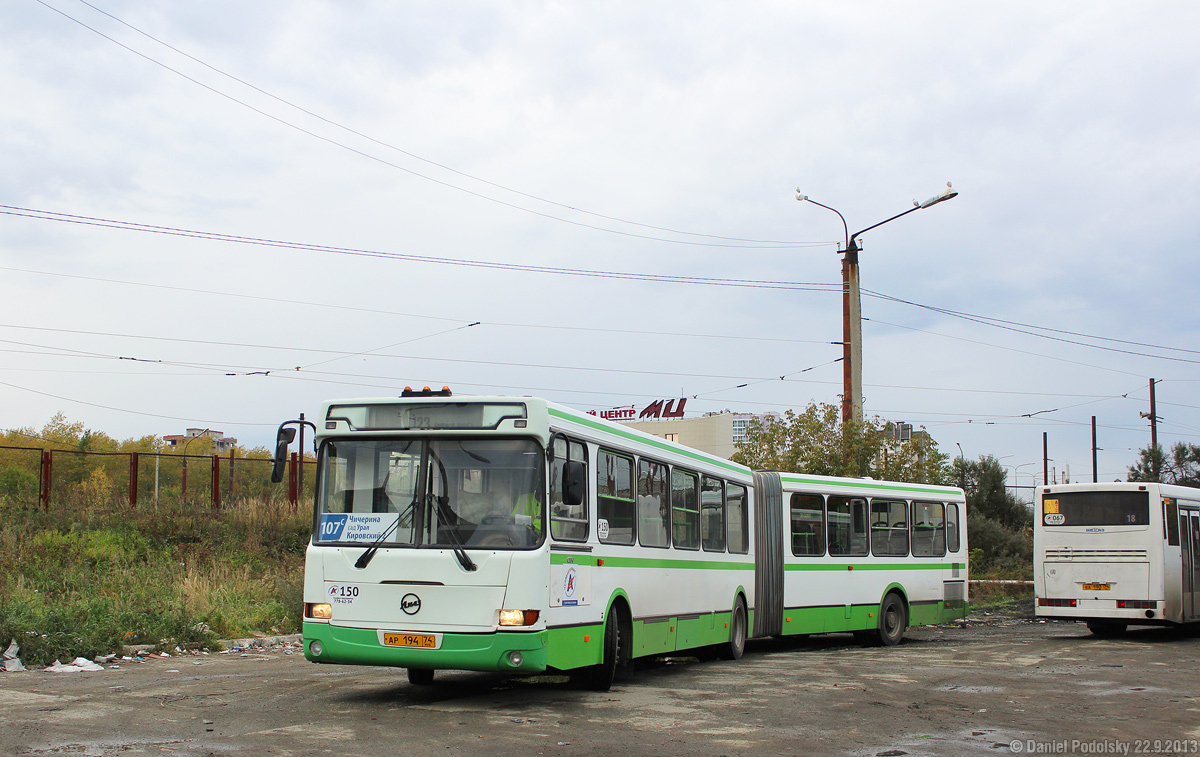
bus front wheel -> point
(600, 677)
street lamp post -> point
(183, 482)
(852, 304)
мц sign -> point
(657, 410)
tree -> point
(1000, 526)
(1181, 468)
(816, 441)
(986, 485)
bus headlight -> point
(316, 648)
(318, 610)
(518, 617)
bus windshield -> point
(477, 493)
(1099, 508)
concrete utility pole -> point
(1153, 416)
(852, 304)
(1045, 458)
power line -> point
(341, 354)
(46, 215)
(132, 412)
(631, 276)
(756, 244)
(418, 157)
(376, 311)
(1012, 326)
(1008, 349)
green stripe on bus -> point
(661, 444)
(648, 562)
(872, 566)
(863, 484)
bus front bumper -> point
(502, 651)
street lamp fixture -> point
(852, 409)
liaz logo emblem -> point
(411, 604)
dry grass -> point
(87, 576)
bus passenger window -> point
(1171, 521)
(685, 510)
(847, 526)
(652, 504)
(616, 510)
(928, 529)
(952, 528)
(889, 528)
(712, 514)
(739, 519)
(808, 524)
(567, 522)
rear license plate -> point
(1096, 587)
(421, 640)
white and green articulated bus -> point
(1117, 554)
(871, 557)
(510, 534)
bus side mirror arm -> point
(283, 438)
(550, 445)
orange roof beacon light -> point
(426, 392)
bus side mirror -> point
(574, 486)
(282, 440)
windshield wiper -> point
(451, 533)
(366, 557)
(448, 515)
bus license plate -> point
(421, 640)
(1096, 587)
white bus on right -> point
(1117, 554)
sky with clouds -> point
(220, 214)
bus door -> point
(1189, 537)
(571, 563)
(954, 572)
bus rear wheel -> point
(893, 620)
(1106, 629)
(736, 646)
(420, 676)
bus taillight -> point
(1136, 604)
(1044, 602)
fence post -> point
(44, 486)
(133, 482)
(183, 480)
(216, 481)
(229, 491)
(293, 483)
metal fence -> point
(46, 476)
